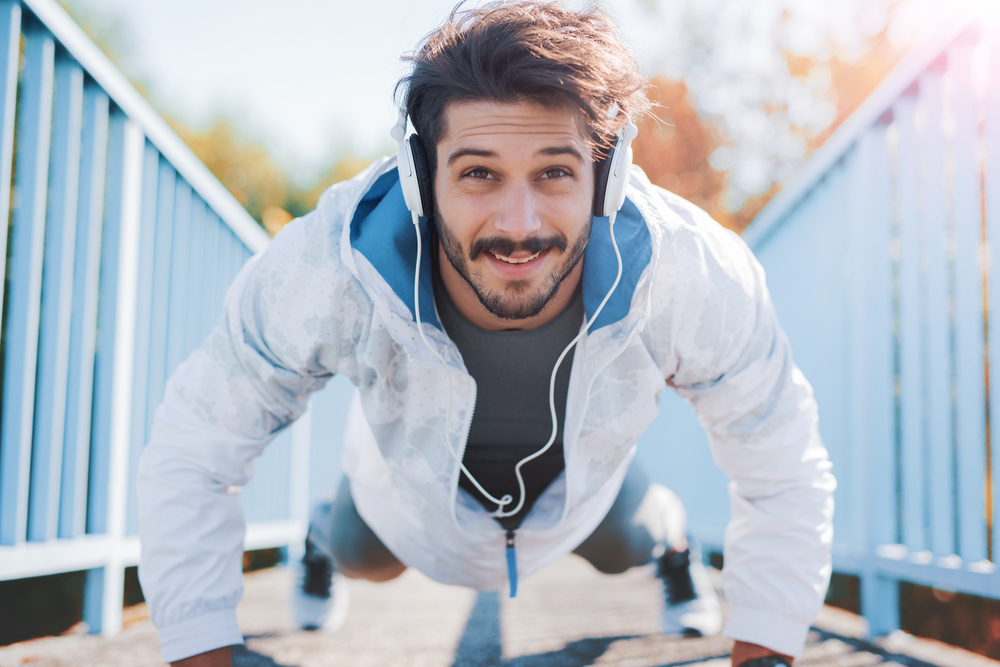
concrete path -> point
(566, 616)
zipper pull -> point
(511, 564)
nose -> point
(518, 216)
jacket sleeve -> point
(730, 360)
(280, 337)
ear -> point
(602, 169)
(425, 177)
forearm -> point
(220, 657)
(743, 651)
(192, 529)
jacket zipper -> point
(511, 564)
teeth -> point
(511, 260)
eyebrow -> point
(562, 150)
(478, 152)
(549, 151)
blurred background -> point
(281, 104)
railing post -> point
(27, 238)
(879, 602)
(10, 42)
(84, 331)
(299, 484)
(871, 381)
(967, 299)
(991, 131)
(93, 599)
(111, 581)
(52, 371)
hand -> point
(743, 651)
(220, 657)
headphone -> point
(417, 181)
(610, 173)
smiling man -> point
(509, 342)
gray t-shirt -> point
(512, 370)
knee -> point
(617, 554)
(612, 564)
(370, 571)
(366, 559)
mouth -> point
(515, 260)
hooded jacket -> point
(334, 293)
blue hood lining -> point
(600, 266)
(382, 231)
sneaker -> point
(319, 597)
(692, 607)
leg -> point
(645, 521)
(339, 544)
(339, 531)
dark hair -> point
(524, 51)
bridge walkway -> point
(566, 616)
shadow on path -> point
(695, 661)
(864, 646)
(480, 645)
(244, 657)
(575, 654)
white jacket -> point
(333, 293)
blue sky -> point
(308, 78)
(313, 79)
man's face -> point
(514, 188)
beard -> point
(516, 300)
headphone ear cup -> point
(422, 170)
(602, 170)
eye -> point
(556, 172)
(478, 173)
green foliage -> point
(252, 176)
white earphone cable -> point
(552, 380)
(507, 498)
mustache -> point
(500, 245)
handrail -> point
(123, 245)
(840, 142)
(124, 94)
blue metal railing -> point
(879, 262)
(122, 245)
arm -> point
(278, 340)
(220, 657)
(742, 651)
(730, 360)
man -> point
(456, 362)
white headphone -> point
(611, 177)
(610, 174)
(408, 178)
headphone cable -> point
(507, 499)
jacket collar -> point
(381, 230)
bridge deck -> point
(566, 616)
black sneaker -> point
(691, 606)
(319, 595)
